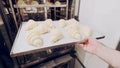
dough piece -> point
(21, 2)
(55, 35)
(86, 31)
(30, 35)
(34, 39)
(62, 23)
(73, 30)
(37, 42)
(34, 3)
(72, 26)
(49, 23)
(72, 21)
(57, 3)
(41, 29)
(49, 3)
(75, 34)
(31, 24)
(31, 40)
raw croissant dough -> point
(34, 3)
(48, 3)
(21, 2)
(73, 30)
(41, 29)
(72, 21)
(62, 23)
(49, 23)
(31, 24)
(34, 39)
(29, 35)
(57, 3)
(38, 42)
(55, 35)
(86, 31)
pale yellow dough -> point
(37, 42)
(49, 23)
(31, 40)
(72, 21)
(86, 31)
(31, 24)
(21, 2)
(34, 3)
(62, 23)
(73, 30)
(57, 3)
(34, 39)
(29, 36)
(55, 35)
(48, 3)
(41, 29)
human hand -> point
(89, 44)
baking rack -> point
(18, 18)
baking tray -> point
(21, 47)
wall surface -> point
(104, 17)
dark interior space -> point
(118, 47)
(5, 59)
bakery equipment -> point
(40, 12)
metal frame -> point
(13, 13)
(45, 9)
(40, 5)
(7, 27)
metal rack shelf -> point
(37, 6)
(25, 6)
(64, 5)
(45, 11)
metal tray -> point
(21, 47)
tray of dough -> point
(34, 36)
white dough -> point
(72, 27)
(73, 30)
(57, 3)
(86, 31)
(49, 23)
(72, 21)
(41, 29)
(62, 23)
(29, 36)
(34, 3)
(48, 3)
(31, 24)
(34, 39)
(55, 35)
(38, 42)
(21, 2)
(76, 35)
